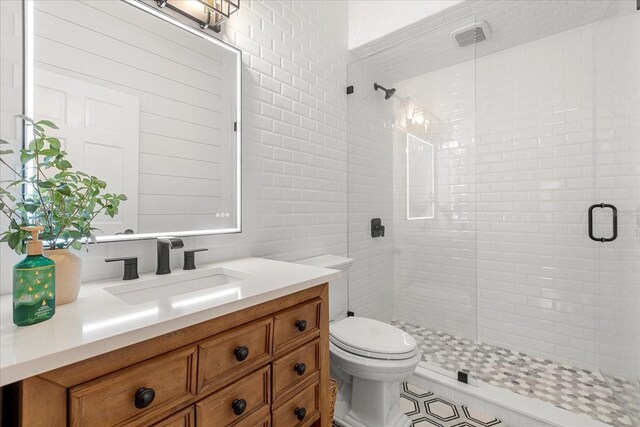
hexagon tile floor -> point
(578, 390)
(425, 409)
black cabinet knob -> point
(144, 397)
(300, 368)
(301, 325)
(241, 353)
(239, 406)
(300, 413)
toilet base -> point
(367, 403)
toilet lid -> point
(371, 338)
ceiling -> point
(369, 21)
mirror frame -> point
(28, 92)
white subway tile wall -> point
(294, 139)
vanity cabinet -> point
(265, 365)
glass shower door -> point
(412, 163)
(435, 204)
(617, 171)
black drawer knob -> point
(301, 325)
(144, 397)
(300, 413)
(241, 353)
(239, 406)
(300, 368)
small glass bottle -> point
(34, 284)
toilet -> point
(369, 358)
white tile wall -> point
(295, 142)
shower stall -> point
(505, 168)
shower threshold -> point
(496, 370)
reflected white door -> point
(99, 130)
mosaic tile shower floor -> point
(574, 389)
(425, 409)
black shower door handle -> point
(614, 215)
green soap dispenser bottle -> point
(34, 284)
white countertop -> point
(99, 322)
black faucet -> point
(164, 244)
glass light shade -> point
(208, 13)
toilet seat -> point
(372, 339)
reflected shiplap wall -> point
(294, 141)
(10, 105)
(183, 87)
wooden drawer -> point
(184, 418)
(286, 414)
(296, 325)
(261, 418)
(217, 410)
(295, 368)
(220, 358)
(110, 400)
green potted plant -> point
(47, 192)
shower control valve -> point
(377, 229)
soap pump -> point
(34, 284)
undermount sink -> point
(198, 285)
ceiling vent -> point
(471, 34)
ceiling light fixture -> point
(209, 14)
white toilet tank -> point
(338, 288)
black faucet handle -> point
(190, 258)
(130, 266)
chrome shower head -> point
(388, 93)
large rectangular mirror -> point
(147, 104)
